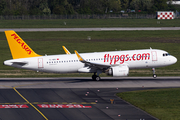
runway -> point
(86, 82)
(75, 98)
(89, 29)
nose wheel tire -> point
(154, 75)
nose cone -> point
(169, 60)
(174, 60)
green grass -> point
(163, 104)
(20, 73)
(50, 43)
(83, 23)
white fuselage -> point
(147, 58)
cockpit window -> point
(166, 54)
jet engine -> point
(119, 71)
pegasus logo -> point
(23, 45)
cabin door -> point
(40, 63)
(154, 56)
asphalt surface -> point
(93, 97)
(86, 82)
(98, 99)
(89, 29)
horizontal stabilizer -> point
(15, 63)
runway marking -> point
(6, 86)
(35, 102)
(14, 106)
(29, 103)
(14, 103)
(14, 88)
(55, 103)
(62, 106)
(65, 103)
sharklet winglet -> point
(79, 57)
(66, 50)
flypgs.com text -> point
(123, 58)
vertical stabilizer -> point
(19, 49)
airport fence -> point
(81, 16)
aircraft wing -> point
(92, 64)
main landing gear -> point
(96, 77)
(154, 75)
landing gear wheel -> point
(98, 78)
(95, 77)
(154, 75)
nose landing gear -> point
(154, 75)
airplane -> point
(114, 63)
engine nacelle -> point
(119, 71)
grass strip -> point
(28, 73)
(88, 23)
(164, 104)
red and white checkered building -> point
(165, 15)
